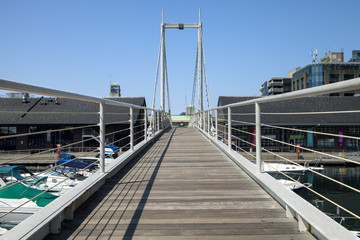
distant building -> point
(190, 110)
(333, 57)
(180, 120)
(317, 74)
(355, 56)
(291, 72)
(115, 90)
(275, 86)
(184, 118)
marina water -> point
(343, 196)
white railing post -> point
(204, 120)
(229, 128)
(158, 120)
(197, 120)
(154, 119)
(145, 125)
(216, 124)
(163, 120)
(258, 137)
(208, 122)
(131, 129)
(102, 138)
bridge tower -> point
(181, 26)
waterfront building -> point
(55, 113)
(341, 124)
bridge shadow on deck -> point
(135, 219)
(93, 206)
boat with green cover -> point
(29, 199)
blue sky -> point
(77, 45)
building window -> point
(300, 142)
(326, 142)
(268, 142)
(242, 141)
(36, 140)
(296, 132)
(333, 78)
(348, 76)
(353, 130)
(302, 83)
(326, 129)
(268, 131)
(8, 143)
(351, 143)
(7, 130)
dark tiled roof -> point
(68, 112)
(310, 104)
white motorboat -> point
(292, 185)
(282, 167)
(13, 196)
(18, 215)
(2, 230)
(52, 181)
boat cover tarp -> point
(112, 147)
(19, 191)
(66, 156)
(14, 171)
(76, 164)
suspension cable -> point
(167, 82)
(206, 80)
(194, 83)
(156, 77)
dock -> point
(181, 187)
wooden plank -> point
(182, 187)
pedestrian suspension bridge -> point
(180, 183)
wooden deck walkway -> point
(182, 187)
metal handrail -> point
(23, 87)
(308, 92)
